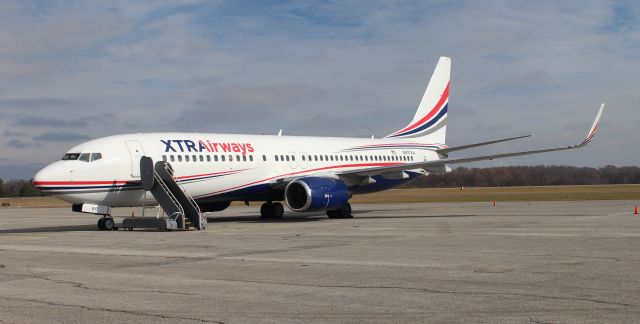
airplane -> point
(195, 173)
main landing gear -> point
(343, 212)
(271, 210)
(106, 223)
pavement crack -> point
(435, 291)
(267, 251)
(535, 321)
(80, 285)
(129, 312)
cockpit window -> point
(84, 157)
(71, 156)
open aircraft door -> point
(135, 152)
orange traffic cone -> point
(635, 211)
(494, 203)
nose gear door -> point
(135, 152)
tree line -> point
(539, 175)
(18, 188)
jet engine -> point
(316, 193)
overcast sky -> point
(76, 70)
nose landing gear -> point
(106, 223)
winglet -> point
(594, 128)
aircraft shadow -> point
(319, 216)
(67, 228)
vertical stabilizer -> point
(430, 121)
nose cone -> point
(51, 175)
(41, 178)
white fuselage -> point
(222, 167)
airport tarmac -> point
(538, 262)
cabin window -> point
(321, 158)
(208, 158)
(303, 158)
(238, 158)
(201, 158)
(222, 158)
(315, 158)
(230, 158)
(164, 158)
(293, 158)
(244, 158)
(286, 157)
(195, 158)
(264, 158)
(276, 157)
(309, 157)
(172, 158)
(282, 158)
(215, 158)
(186, 158)
(179, 158)
(251, 158)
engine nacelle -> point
(316, 193)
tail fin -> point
(430, 121)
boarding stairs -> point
(181, 209)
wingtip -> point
(594, 127)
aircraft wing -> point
(440, 164)
(446, 151)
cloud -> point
(20, 144)
(37, 103)
(335, 68)
(10, 171)
(10, 133)
(38, 121)
(61, 136)
(242, 104)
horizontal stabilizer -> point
(468, 146)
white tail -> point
(430, 121)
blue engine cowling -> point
(316, 193)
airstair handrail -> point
(173, 198)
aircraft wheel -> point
(278, 210)
(271, 210)
(266, 210)
(109, 224)
(343, 212)
(346, 211)
(101, 224)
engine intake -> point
(316, 193)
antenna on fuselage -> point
(280, 132)
(373, 136)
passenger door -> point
(135, 152)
